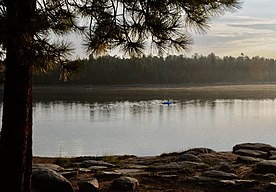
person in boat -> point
(168, 102)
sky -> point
(250, 30)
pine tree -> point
(26, 27)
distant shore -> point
(154, 91)
(172, 91)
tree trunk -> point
(16, 133)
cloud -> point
(252, 23)
(257, 26)
(234, 34)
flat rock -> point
(252, 153)
(197, 151)
(248, 160)
(190, 157)
(108, 175)
(95, 167)
(172, 177)
(241, 182)
(219, 174)
(254, 146)
(266, 166)
(179, 165)
(129, 171)
(53, 167)
(89, 163)
(202, 179)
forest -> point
(173, 69)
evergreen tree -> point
(25, 29)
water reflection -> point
(86, 123)
(149, 127)
(80, 121)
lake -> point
(89, 121)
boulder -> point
(45, 180)
(88, 185)
(125, 183)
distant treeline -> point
(169, 70)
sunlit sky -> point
(250, 30)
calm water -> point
(147, 127)
(150, 128)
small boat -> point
(167, 102)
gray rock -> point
(248, 160)
(245, 183)
(129, 171)
(134, 166)
(219, 174)
(271, 153)
(223, 167)
(54, 167)
(197, 151)
(269, 177)
(69, 174)
(125, 183)
(45, 180)
(228, 182)
(172, 177)
(88, 185)
(273, 157)
(251, 153)
(190, 157)
(254, 146)
(83, 170)
(180, 165)
(202, 179)
(93, 168)
(224, 182)
(266, 166)
(108, 175)
(89, 163)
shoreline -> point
(156, 86)
(249, 167)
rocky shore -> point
(249, 167)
